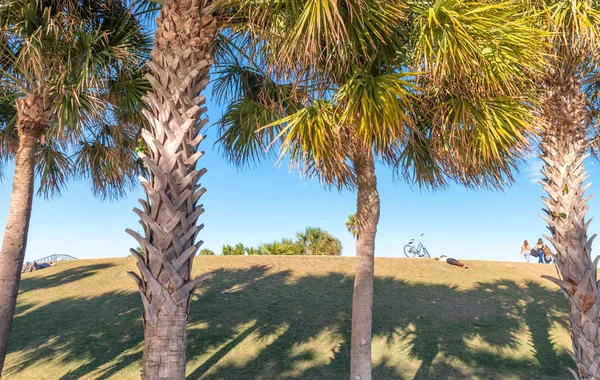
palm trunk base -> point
(362, 319)
(165, 346)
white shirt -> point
(444, 259)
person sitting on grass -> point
(538, 251)
(452, 261)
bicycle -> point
(419, 251)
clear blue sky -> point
(268, 203)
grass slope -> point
(289, 318)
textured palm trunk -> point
(33, 117)
(362, 301)
(181, 60)
(564, 147)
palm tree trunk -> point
(564, 145)
(15, 237)
(181, 60)
(33, 117)
(362, 302)
(165, 345)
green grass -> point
(289, 318)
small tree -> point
(315, 241)
(352, 225)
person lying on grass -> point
(452, 261)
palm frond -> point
(315, 143)
(88, 57)
(110, 170)
(477, 143)
(53, 168)
(377, 108)
(353, 31)
(243, 140)
(477, 47)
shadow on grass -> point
(97, 331)
(60, 278)
(303, 326)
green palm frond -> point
(53, 167)
(124, 93)
(254, 101)
(9, 139)
(573, 20)
(236, 81)
(377, 107)
(417, 161)
(352, 31)
(146, 10)
(89, 58)
(477, 47)
(243, 139)
(477, 143)
(110, 169)
(592, 89)
(315, 143)
(463, 115)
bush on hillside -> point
(313, 241)
(285, 247)
(238, 250)
(250, 251)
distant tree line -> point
(313, 241)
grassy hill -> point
(289, 318)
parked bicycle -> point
(416, 250)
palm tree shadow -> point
(260, 323)
(539, 320)
(97, 331)
(59, 278)
(437, 321)
(494, 316)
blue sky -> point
(270, 202)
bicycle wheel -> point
(409, 251)
(425, 253)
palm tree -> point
(352, 225)
(187, 35)
(190, 34)
(351, 102)
(568, 101)
(315, 241)
(70, 85)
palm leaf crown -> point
(440, 90)
(88, 59)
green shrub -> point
(313, 241)
(238, 250)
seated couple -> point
(541, 251)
